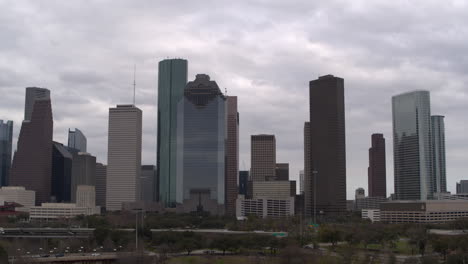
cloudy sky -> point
(263, 51)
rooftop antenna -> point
(225, 91)
(134, 83)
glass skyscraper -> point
(412, 146)
(172, 79)
(6, 139)
(438, 152)
(77, 140)
(201, 146)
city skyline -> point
(93, 85)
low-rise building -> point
(372, 214)
(264, 207)
(85, 205)
(369, 203)
(19, 195)
(431, 211)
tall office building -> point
(123, 156)
(83, 171)
(172, 79)
(243, 182)
(263, 157)
(301, 182)
(62, 161)
(377, 171)
(438, 153)
(6, 140)
(201, 147)
(77, 140)
(308, 191)
(32, 95)
(412, 146)
(101, 176)
(462, 187)
(282, 171)
(232, 155)
(327, 143)
(32, 162)
(147, 180)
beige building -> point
(264, 207)
(271, 189)
(430, 211)
(20, 195)
(263, 157)
(123, 156)
(85, 205)
(371, 214)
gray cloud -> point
(265, 52)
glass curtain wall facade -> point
(172, 79)
(201, 141)
(62, 161)
(412, 146)
(77, 140)
(438, 150)
(6, 140)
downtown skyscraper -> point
(6, 141)
(201, 147)
(263, 157)
(412, 146)
(438, 153)
(32, 162)
(327, 154)
(232, 155)
(377, 171)
(123, 156)
(172, 79)
(77, 140)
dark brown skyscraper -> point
(327, 144)
(262, 157)
(232, 155)
(32, 162)
(282, 171)
(308, 192)
(377, 170)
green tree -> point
(100, 234)
(329, 234)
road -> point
(220, 231)
(50, 232)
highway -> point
(50, 232)
(221, 231)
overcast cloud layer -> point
(263, 51)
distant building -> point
(232, 155)
(6, 140)
(449, 196)
(362, 202)
(83, 172)
(77, 140)
(19, 195)
(85, 205)
(172, 79)
(263, 157)
(243, 182)
(377, 171)
(123, 156)
(147, 183)
(293, 188)
(360, 193)
(327, 144)
(301, 182)
(412, 146)
(101, 179)
(430, 211)
(201, 147)
(62, 161)
(264, 207)
(462, 186)
(32, 161)
(272, 189)
(299, 204)
(308, 177)
(282, 171)
(438, 152)
(371, 214)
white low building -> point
(264, 207)
(372, 214)
(19, 195)
(85, 205)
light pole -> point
(136, 227)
